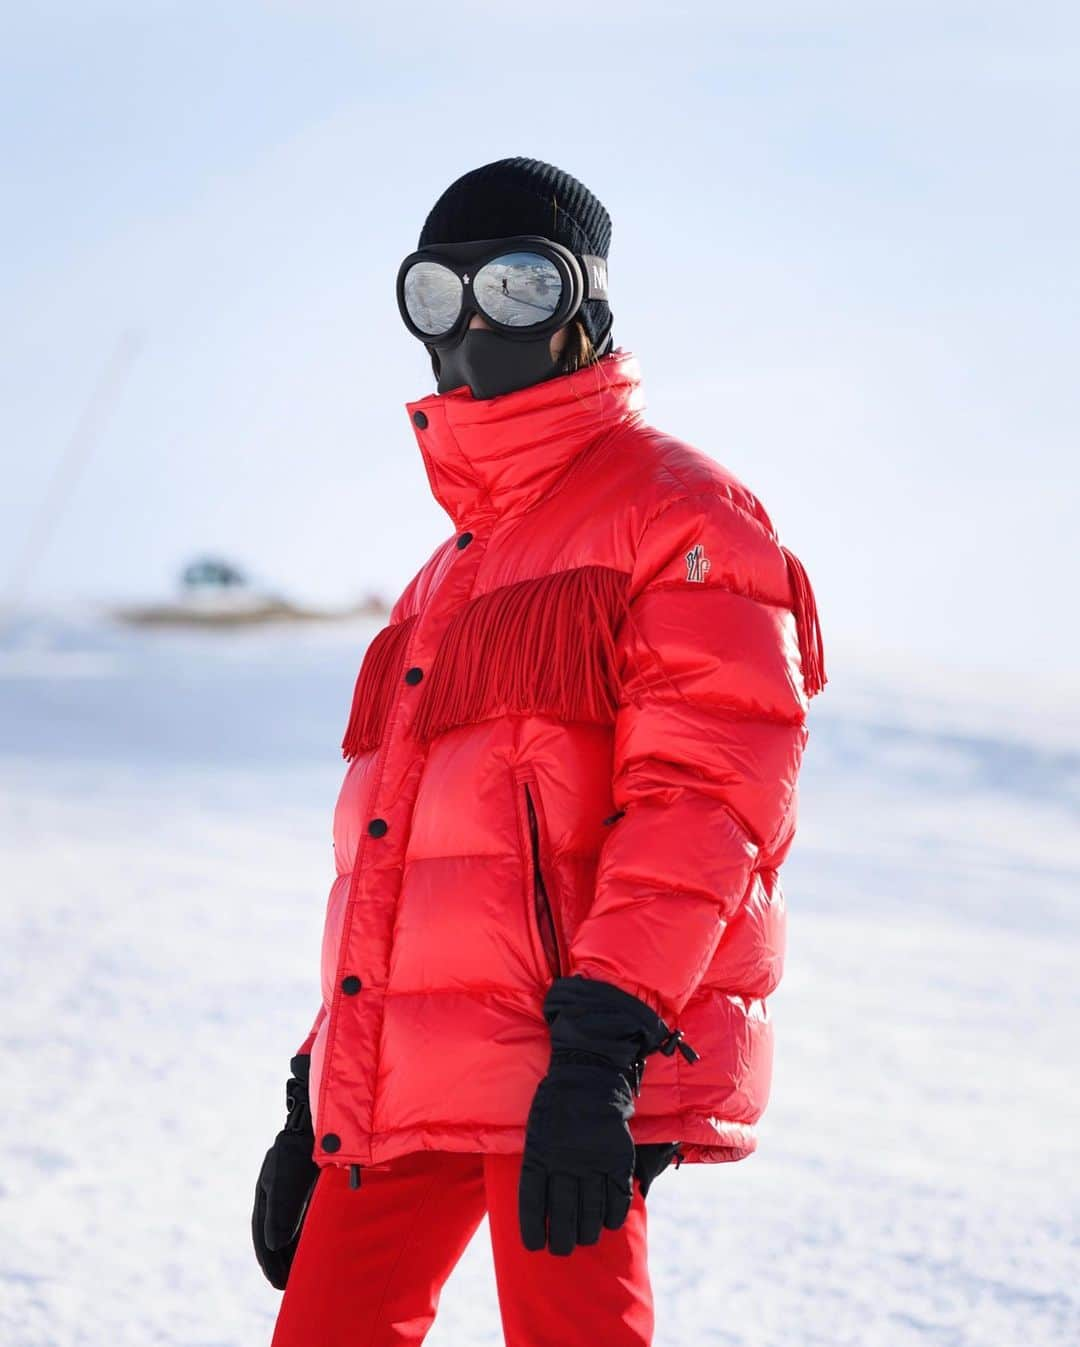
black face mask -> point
(491, 364)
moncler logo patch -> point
(697, 563)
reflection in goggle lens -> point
(518, 289)
(432, 297)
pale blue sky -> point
(845, 250)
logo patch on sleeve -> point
(697, 563)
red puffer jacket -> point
(573, 749)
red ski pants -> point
(372, 1261)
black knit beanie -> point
(526, 196)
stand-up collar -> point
(496, 456)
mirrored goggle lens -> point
(432, 297)
(518, 289)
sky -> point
(844, 251)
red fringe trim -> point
(811, 649)
(544, 646)
(375, 685)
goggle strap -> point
(595, 269)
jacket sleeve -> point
(709, 735)
(305, 1047)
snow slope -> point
(165, 807)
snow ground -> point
(165, 807)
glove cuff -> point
(591, 1016)
(297, 1105)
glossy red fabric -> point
(372, 1261)
(573, 749)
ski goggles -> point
(523, 286)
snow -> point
(165, 810)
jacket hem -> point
(704, 1140)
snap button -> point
(414, 675)
(377, 827)
(420, 420)
(351, 985)
(464, 540)
(331, 1142)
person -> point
(573, 757)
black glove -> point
(285, 1183)
(578, 1168)
(651, 1159)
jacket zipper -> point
(545, 918)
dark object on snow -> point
(212, 573)
(285, 1182)
(579, 1162)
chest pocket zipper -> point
(545, 918)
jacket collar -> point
(489, 457)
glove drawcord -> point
(354, 1176)
(675, 1040)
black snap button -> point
(464, 540)
(414, 675)
(331, 1142)
(350, 985)
(419, 420)
(377, 827)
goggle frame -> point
(583, 276)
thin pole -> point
(81, 444)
